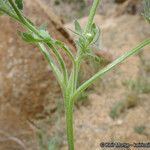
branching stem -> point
(110, 66)
(68, 82)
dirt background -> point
(115, 109)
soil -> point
(122, 28)
(75, 9)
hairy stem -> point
(69, 122)
(54, 68)
(69, 103)
(23, 20)
(110, 66)
(66, 49)
(60, 60)
(91, 16)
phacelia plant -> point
(86, 36)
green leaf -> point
(28, 37)
(4, 5)
(32, 38)
(93, 28)
(59, 43)
(96, 39)
(77, 27)
(81, 43)
(19, 4)
(45, 35)
(5, 8)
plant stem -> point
(23, 20)
(60, 61)
(10, 14)
(91, 16)
(110, 66)
(66, 49)
(69, 120)
(54, 68)
(75, 75)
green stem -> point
(76, 72)
(69, 117)
(60, 60)
(10, 14)
(54, 68)
(109, 67)
(75, 76)
(69, 122)
(23, 20)
(66, 49)
(69, 103)
(91, 16)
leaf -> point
(45, 35)
(19, 4)
(81, 42)
(93, 28)
(32, 38)
(5, 8)
(4, 5)
(28, 37)
(96, 39)
(77, 27)
(59, 43)
(89, 38)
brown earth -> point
(81, 8)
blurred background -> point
(114, 109)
